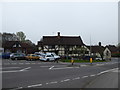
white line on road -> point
(51, 67)
(9, 67)
(92, 75)
(65, 80)
(84, 76)
(25, 69)
(34, 85)
(53, 82)
(107, 71)
(64, 68)
(76, 78)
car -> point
(47, 57)
(54, 55)
(98, 58)
(5, 55)
(32, 57)
(17, 56)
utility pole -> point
(90, 51)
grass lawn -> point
(81, 61)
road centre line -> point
(34, 85)
(53, 82)
(84, 76)
(92, 75)
(65, 80)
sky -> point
(98, 20)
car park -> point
(17, 56)
(32, 57)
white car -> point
(98, 58)
(47, 57)
(54, 55)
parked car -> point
(47, 57)
(17, 56)
(98, 58)
(54, 55)
(32, 57)
(5, 55)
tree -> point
(21, 36)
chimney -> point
(58, 34)
(99, 43)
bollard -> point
(72, 61)
(91, 60)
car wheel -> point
(47, 59)
(15, 58)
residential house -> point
(61, 45)
(18, 46)
(99, 51)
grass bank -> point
(80, 61)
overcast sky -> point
(96, 19)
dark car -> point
(5, 55)
(17, 56)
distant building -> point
(61, 45)
(100, 51)
(18, 47)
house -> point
(61, 45)
(100, 51)
(18, 46)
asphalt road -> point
(35, 74)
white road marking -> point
(17, 88)
(84, 76)
(9, 71)
(53, 82)
(9, 67)
(107, 71)
(92, 75)
(65, 80)
(76, 78)
(83, 65)
(51, 67)
(63, 68)
(25, 69)
(34, 85)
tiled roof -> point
(61, 40)
(9, 44)
(112, 48)
(96, 49)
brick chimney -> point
(59, 35)
(99, 43)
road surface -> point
(36, 74)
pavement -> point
(36, 74)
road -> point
(36, 74)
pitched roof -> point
(10, 44)
(61, 40)
(96, 49)
(112, 48)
